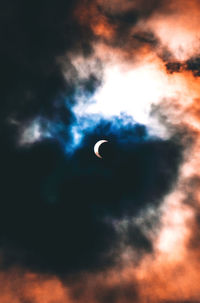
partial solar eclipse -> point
(96, 148)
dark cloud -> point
(136, 238)
(55, 208)
(192, 64)
(173, 67)
(123, 23)
(34, 35)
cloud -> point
(75, 228)
(61, 204)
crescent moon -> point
(96, 148)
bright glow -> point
(131, 92)
(126, 91)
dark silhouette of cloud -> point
(54, 206)
(58, 211)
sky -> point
(74, 227)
